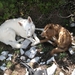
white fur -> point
(19, 26)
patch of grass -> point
(8, 64)
(1, 49)
(62, 55)
(45, 48)
(13, 8)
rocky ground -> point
(65, 62)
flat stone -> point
(25, 43)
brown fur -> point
(62, 37)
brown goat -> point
(60, 37)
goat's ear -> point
(29, 19)
(20, 23)
(51, 26)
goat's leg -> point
(8, 37)
(47, 40)
(44, 40)
(14, 44)
(37, 40)
(58, 50)
(55, 40)
(55, 51)
(20, 40)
